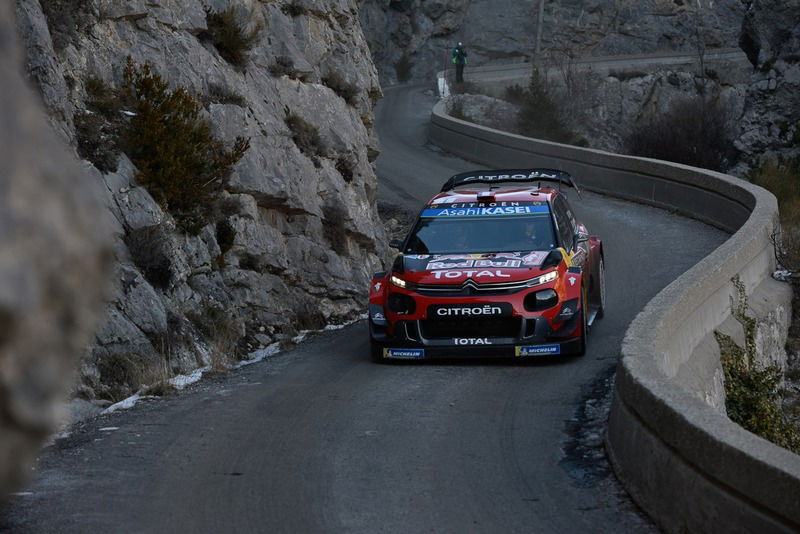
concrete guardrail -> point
(685, 463)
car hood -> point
(484, 268)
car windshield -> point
(450, 235)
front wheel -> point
(601, 289)
(584, 322)
(584, 329)
(375, 352)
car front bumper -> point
(535, 339)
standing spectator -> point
(459, 59)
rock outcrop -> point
(295, 234)
(771, 39)
(54, 258)
(412, 39)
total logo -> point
(470, 274)
(378, 286)
(572, 280)
(471, 341)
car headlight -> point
(399, 282)
(545, 278)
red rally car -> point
(495, 265)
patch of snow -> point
(181, 381)
(444, 89)
(301, 336)
(344, 325)
(22, 494)
(109, 428)
(782, 276)
(125, 404)
(259, 355)
(304, 333)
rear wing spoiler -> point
(511, 176)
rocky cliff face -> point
(52, 242)
(771, 39)
(412, 39)
(295, 236)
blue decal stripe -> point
(507, 211)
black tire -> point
(601, 289)
(584, 325)
(375, 352)
(582, 347)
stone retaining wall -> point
(684, 462)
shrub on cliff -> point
(65, 20)
(97, 128)
(753, 396)
(341, 87)
(783, 180)
(306, 136)
(295, 9)
(333, 227)
(403, 67)
(230, 36)
(178, 159)
(694, 131)
(539, 115)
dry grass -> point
(783, 180)
(306, 136)
(695, 131)
(230, 36)
(341, 87)
(223, 330)
(124, 374)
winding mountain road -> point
(318, 439)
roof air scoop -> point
(484, 197)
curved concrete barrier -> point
(688, 466)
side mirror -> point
(552, 259)
(396, 244)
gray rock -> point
(425, 32)
(43, 67)
(485, 110)
(117, 9)
(80, 409)
(140, 303)
(771, 38)
(53, 261)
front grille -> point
(435, 290)
(467, 327)
(472, 288)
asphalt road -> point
(318, 439)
